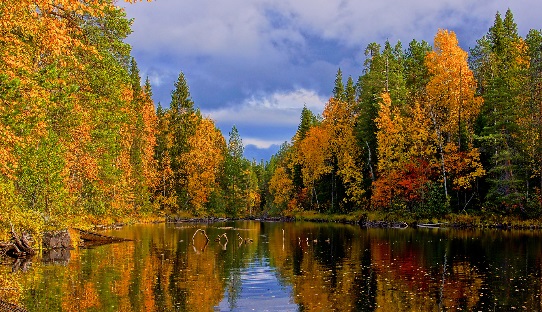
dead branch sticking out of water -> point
(202, 249)
(197, 231)
(219, 238)
(244, 240)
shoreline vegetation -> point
(382, 220)
(425, 135)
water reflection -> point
(286, 267)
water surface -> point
(276, 266)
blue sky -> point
(256, 63)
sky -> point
(256, 63)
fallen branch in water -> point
(89, 239)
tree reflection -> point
(326, 266)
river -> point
(275, 266)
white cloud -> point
(277, 109)
(261, 143)
(268, 29)
(238, 49)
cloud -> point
(272, 110)
(261, 143)
(277, 31)
(253, 152)
(242, 59)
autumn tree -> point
(383, 72)
(453, 107)
(281, 192)
(202, 163)
(313, 159)
(281, 188)
(307, 121)
(68, 110)
(340, 121)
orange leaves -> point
(202, 163)
(150, 121)
(331, 148)
(451, 90)
(453, 107)
(465, 166)
(313, 154)
(281, 187)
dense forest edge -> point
(424, 134)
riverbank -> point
(381, 219)
(374, 219)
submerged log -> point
(96, 238)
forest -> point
(423, 131)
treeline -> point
(80, 138)
(199, 173)
(426, 131)
(77, 130)
(423, 130)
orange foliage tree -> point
(203, 163)
(453, 107)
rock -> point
(57, 239)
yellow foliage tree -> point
(313, 154)
(453, 106)
(282, 188)
(339, 121)
(203, 163)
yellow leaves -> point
(281, 187)
(150, 121)
(203, 162)
(313, 154)
(464, 166)
(392, 145)
(451, 89)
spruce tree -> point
(500, 65)
(235, 166)
(182, 123)
(338, 89)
